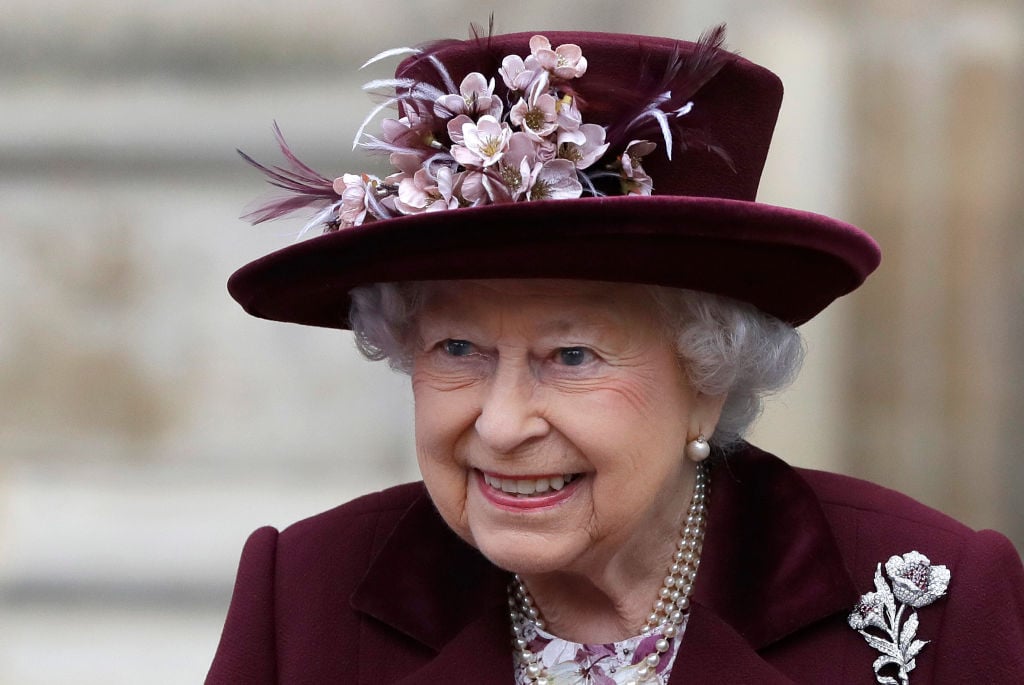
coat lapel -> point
(770, 566)
(480, 653)
(713, 652)
(427, 583)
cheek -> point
(441, 422)
(442, 415)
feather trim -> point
(679, 81)
(393, 52)
(306, 186)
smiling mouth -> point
(530, 487)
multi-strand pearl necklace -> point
(670, 608)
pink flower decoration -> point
(555, 180)
(464, 146)
(516, 167)
(583, 146)
(564, 62)
(483, 188)
(483, 143)
(354, 190)
(536, 115)
(518, 75)
(476, 97)
(568, 114)
(423, 193)
(455, 128)
(634, 180)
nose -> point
(510, 413)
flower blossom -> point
(355, 191)
(410, 134)
(483, 143)
(915, 581)
(519, 75)
(476, 97)
(564, 62)
(483, 187)
(422, 192)
(635, 180)
(568, 114)
(516, 167)
(554, 180)
(536, 114)
(582, 147)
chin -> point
(523, 554)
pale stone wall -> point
(147, 424)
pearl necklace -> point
(670, 608)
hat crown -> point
(695, 205)
(734, 112)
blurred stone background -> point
(147, 425)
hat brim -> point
(786, 262)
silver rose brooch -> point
(915, 583)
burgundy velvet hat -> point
(580, 155)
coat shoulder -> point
(871, 523)
(378, 511)
(290, 618)
(851, 499)
(326, 556)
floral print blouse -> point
(613, 663)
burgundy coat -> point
(379, 590)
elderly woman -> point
(569, 263)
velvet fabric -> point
(380, 591)
(702, 229)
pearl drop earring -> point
(698, 450)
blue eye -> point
(573, 356)
(457, 348)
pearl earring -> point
(698, 450)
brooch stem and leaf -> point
(915, 583)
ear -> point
(704, 415)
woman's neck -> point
(609, 599)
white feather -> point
(684, 110)
(585, 180)
(320, 218)
(666, 132)
(393, 52)
(389, 83)
(445, 76)
(425, 91)
(369, 117)
(375, 206)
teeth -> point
(525, 488)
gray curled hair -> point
(727, 347)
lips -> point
(532, 493)
(527, 487)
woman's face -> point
(551, 418)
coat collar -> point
(426, 582)
(770, 566)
